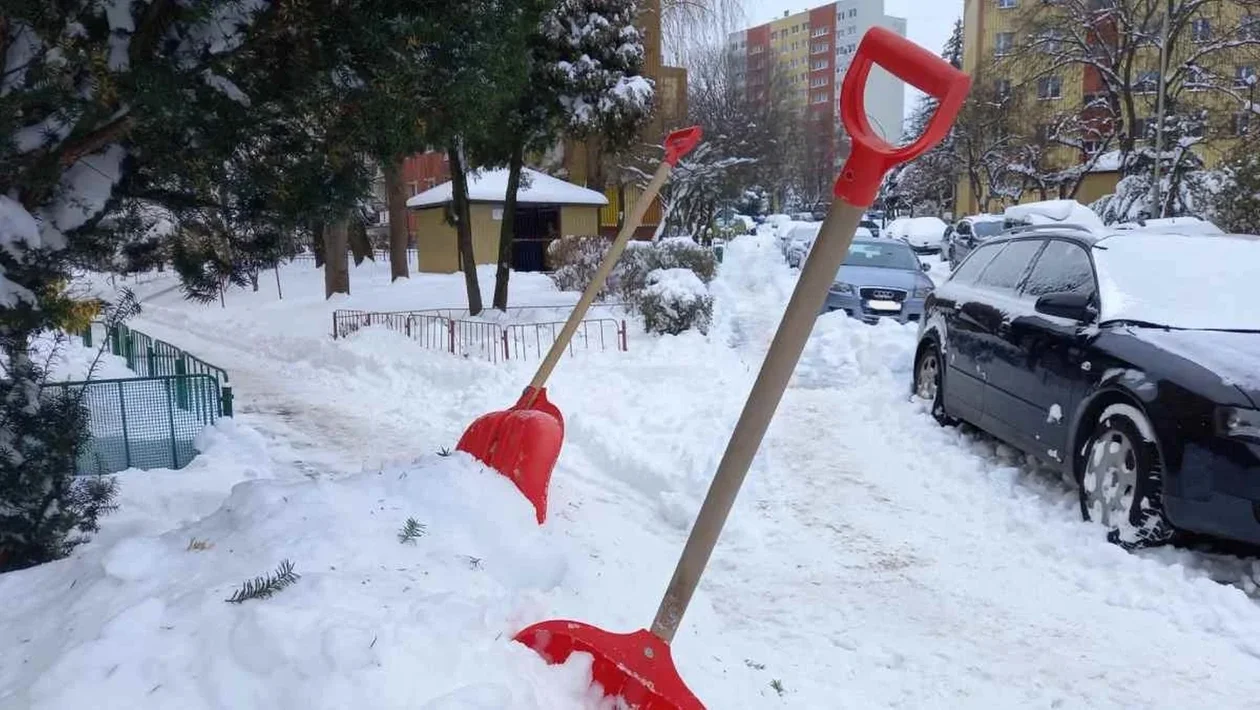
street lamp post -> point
(1156, 200)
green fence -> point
(144, 422)
(149, 357)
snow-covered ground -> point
(873, 560)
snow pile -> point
(69, 361)
(675, 300)
(139, 620)
(1160, 278)
(1055, 212)
(491, 186)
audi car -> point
(880, 279)
(1128, 359)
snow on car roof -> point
(1193, 281)
(1055, 212)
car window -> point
(988, 229)
(964, 228)
(1008, 268)
(1062, 268)
(882, 254)
(975, 263)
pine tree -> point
(1236, 205)
(581, 75)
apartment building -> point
(809, 52)
(1219, 82)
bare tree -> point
(1118, 44)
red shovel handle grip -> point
(872, 156)
(680, 143)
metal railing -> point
(143, 422)
(149, 357)
(444, 329)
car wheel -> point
(928, 382)
(1120, 480)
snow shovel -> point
(523, 442)
(638, 667)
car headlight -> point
(842, 287)
(1238, 423)
(922, 291)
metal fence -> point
(149, 357)
(143, 422)
(445, 329)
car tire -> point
(929, 383)
(1120, 480)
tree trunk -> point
(463, 228)
(319, 232)
(396, 201)
(253, 280)
(507, 232)
(336, 261)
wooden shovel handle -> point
(601, 275)
(818, 274)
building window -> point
(414, 188)
(852, 29)
(1004, 43)
(1002, 87)
(1240, 124)
(820, 98)
(818, 81)
(820, 47)
(1250, 28)
(1050, 87)
(796, 28)
(818, 64)
(1147, 82)
(1244, 76)
(1197, 79)
(1007, 4)
(1200, 30)
(853, 12)
(818, 31)
(1144, 128)
(1050, 41)
(1091, 147)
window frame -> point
(997, 248)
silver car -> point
(880, 279)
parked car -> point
(1130, 360)
(924, 234)
(1051, 212)
(880, 278)
(871, 226)
(963, 236)
(802, 241)
(1179, 225)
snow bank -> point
(138, 620)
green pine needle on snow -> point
(777, 685)
(263, 587)
(444, 452)
(411, 531)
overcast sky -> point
(928, 22)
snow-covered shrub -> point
(675, 300)
(573, 260)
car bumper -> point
(926, 248)
(1216, 491)
(911, 309)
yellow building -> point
(546, 208)
(995, 31)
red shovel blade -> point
(521, 443)
(636, 666)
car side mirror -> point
(1074, 306)
(925, 266)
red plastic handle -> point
(872, 157)
(680, 143)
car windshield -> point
(881, 254)
(1178, 281)
(987, 229)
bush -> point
(675, 300)
(574, 259)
